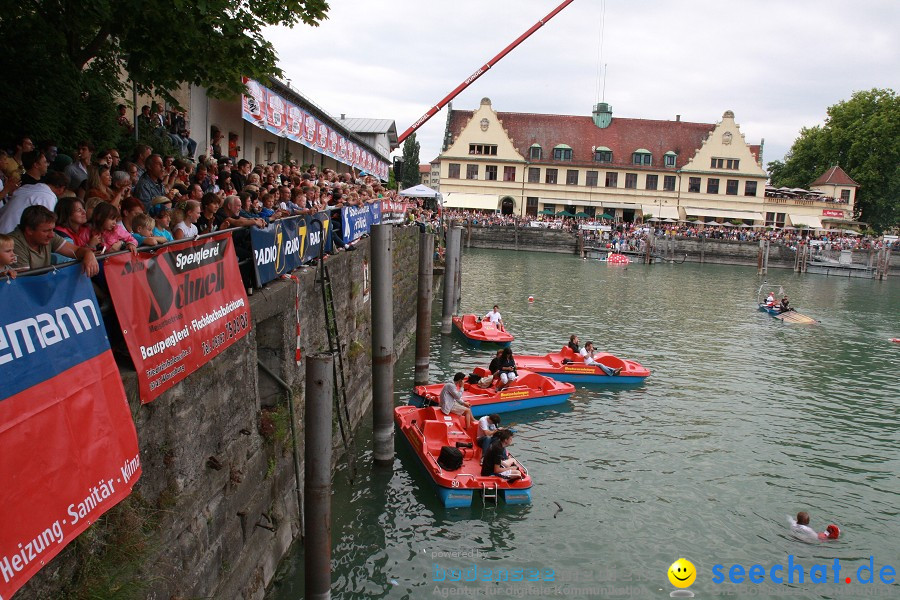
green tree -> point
(862, 136)
(410, 163)
(65, 63)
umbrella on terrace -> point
(564, 213)
(582, 215)
(606, 216)
(546, 211)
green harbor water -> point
(744, 421)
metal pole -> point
(318, 426)
(423, 306)
(383, 344)
(457, 293)
(766, 260)
(450, 265)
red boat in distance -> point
(566, 365)
(480, 331)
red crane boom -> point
(434, 109)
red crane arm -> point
(434, 109)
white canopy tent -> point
(420, 191)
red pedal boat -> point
(566, 365)
(530, 390)
(428, 430)
(481, 332)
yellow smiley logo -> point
(682, 573)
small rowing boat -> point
(789, 316)
(428, 430)
(481, 331)
(566, 365)
(529, 390)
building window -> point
(531, 206)
(490, 172)
(612, 180)
(535, 153)
(453, 171)
(731, 187)
(591, 179)
(652, 182)
(631, 180)
(562, 154)
(509, 173)
(534, 175)
(694, 184)
(725, 163)
(712, 186)
(471, 171)
(572, 177)
(550, 176)
(669, 183)
(603, 156)
(483, 149)
(750, 188)
(641, 158)
(670, 160)
(845, 195)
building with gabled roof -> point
(528, 164)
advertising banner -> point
(268, 110)
(317, 235)
(833, 213)
(178, 308)
(278, 248)
(355, 222)
(68, 447)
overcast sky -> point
(778, 65)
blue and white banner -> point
(357, 221)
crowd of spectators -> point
(104, 202)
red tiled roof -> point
(424, 168)
(623, 136)
(834, 176)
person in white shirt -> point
(588, 353)
(494, 317)
(32, 192)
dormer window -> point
(670, 158)
(642, 157)
(602, 154)
(562, 152)
(535, 153)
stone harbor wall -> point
(215, 509)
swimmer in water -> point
(801, 529)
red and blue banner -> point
(267, 110)
(68, 447)
(288, 244)
(179, 307)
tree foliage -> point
(65, 63)
(410, 163)
(862, 136)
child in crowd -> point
(7, 256)
(162, 218)
(185, 219)
(113, 236)
(143, 231)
